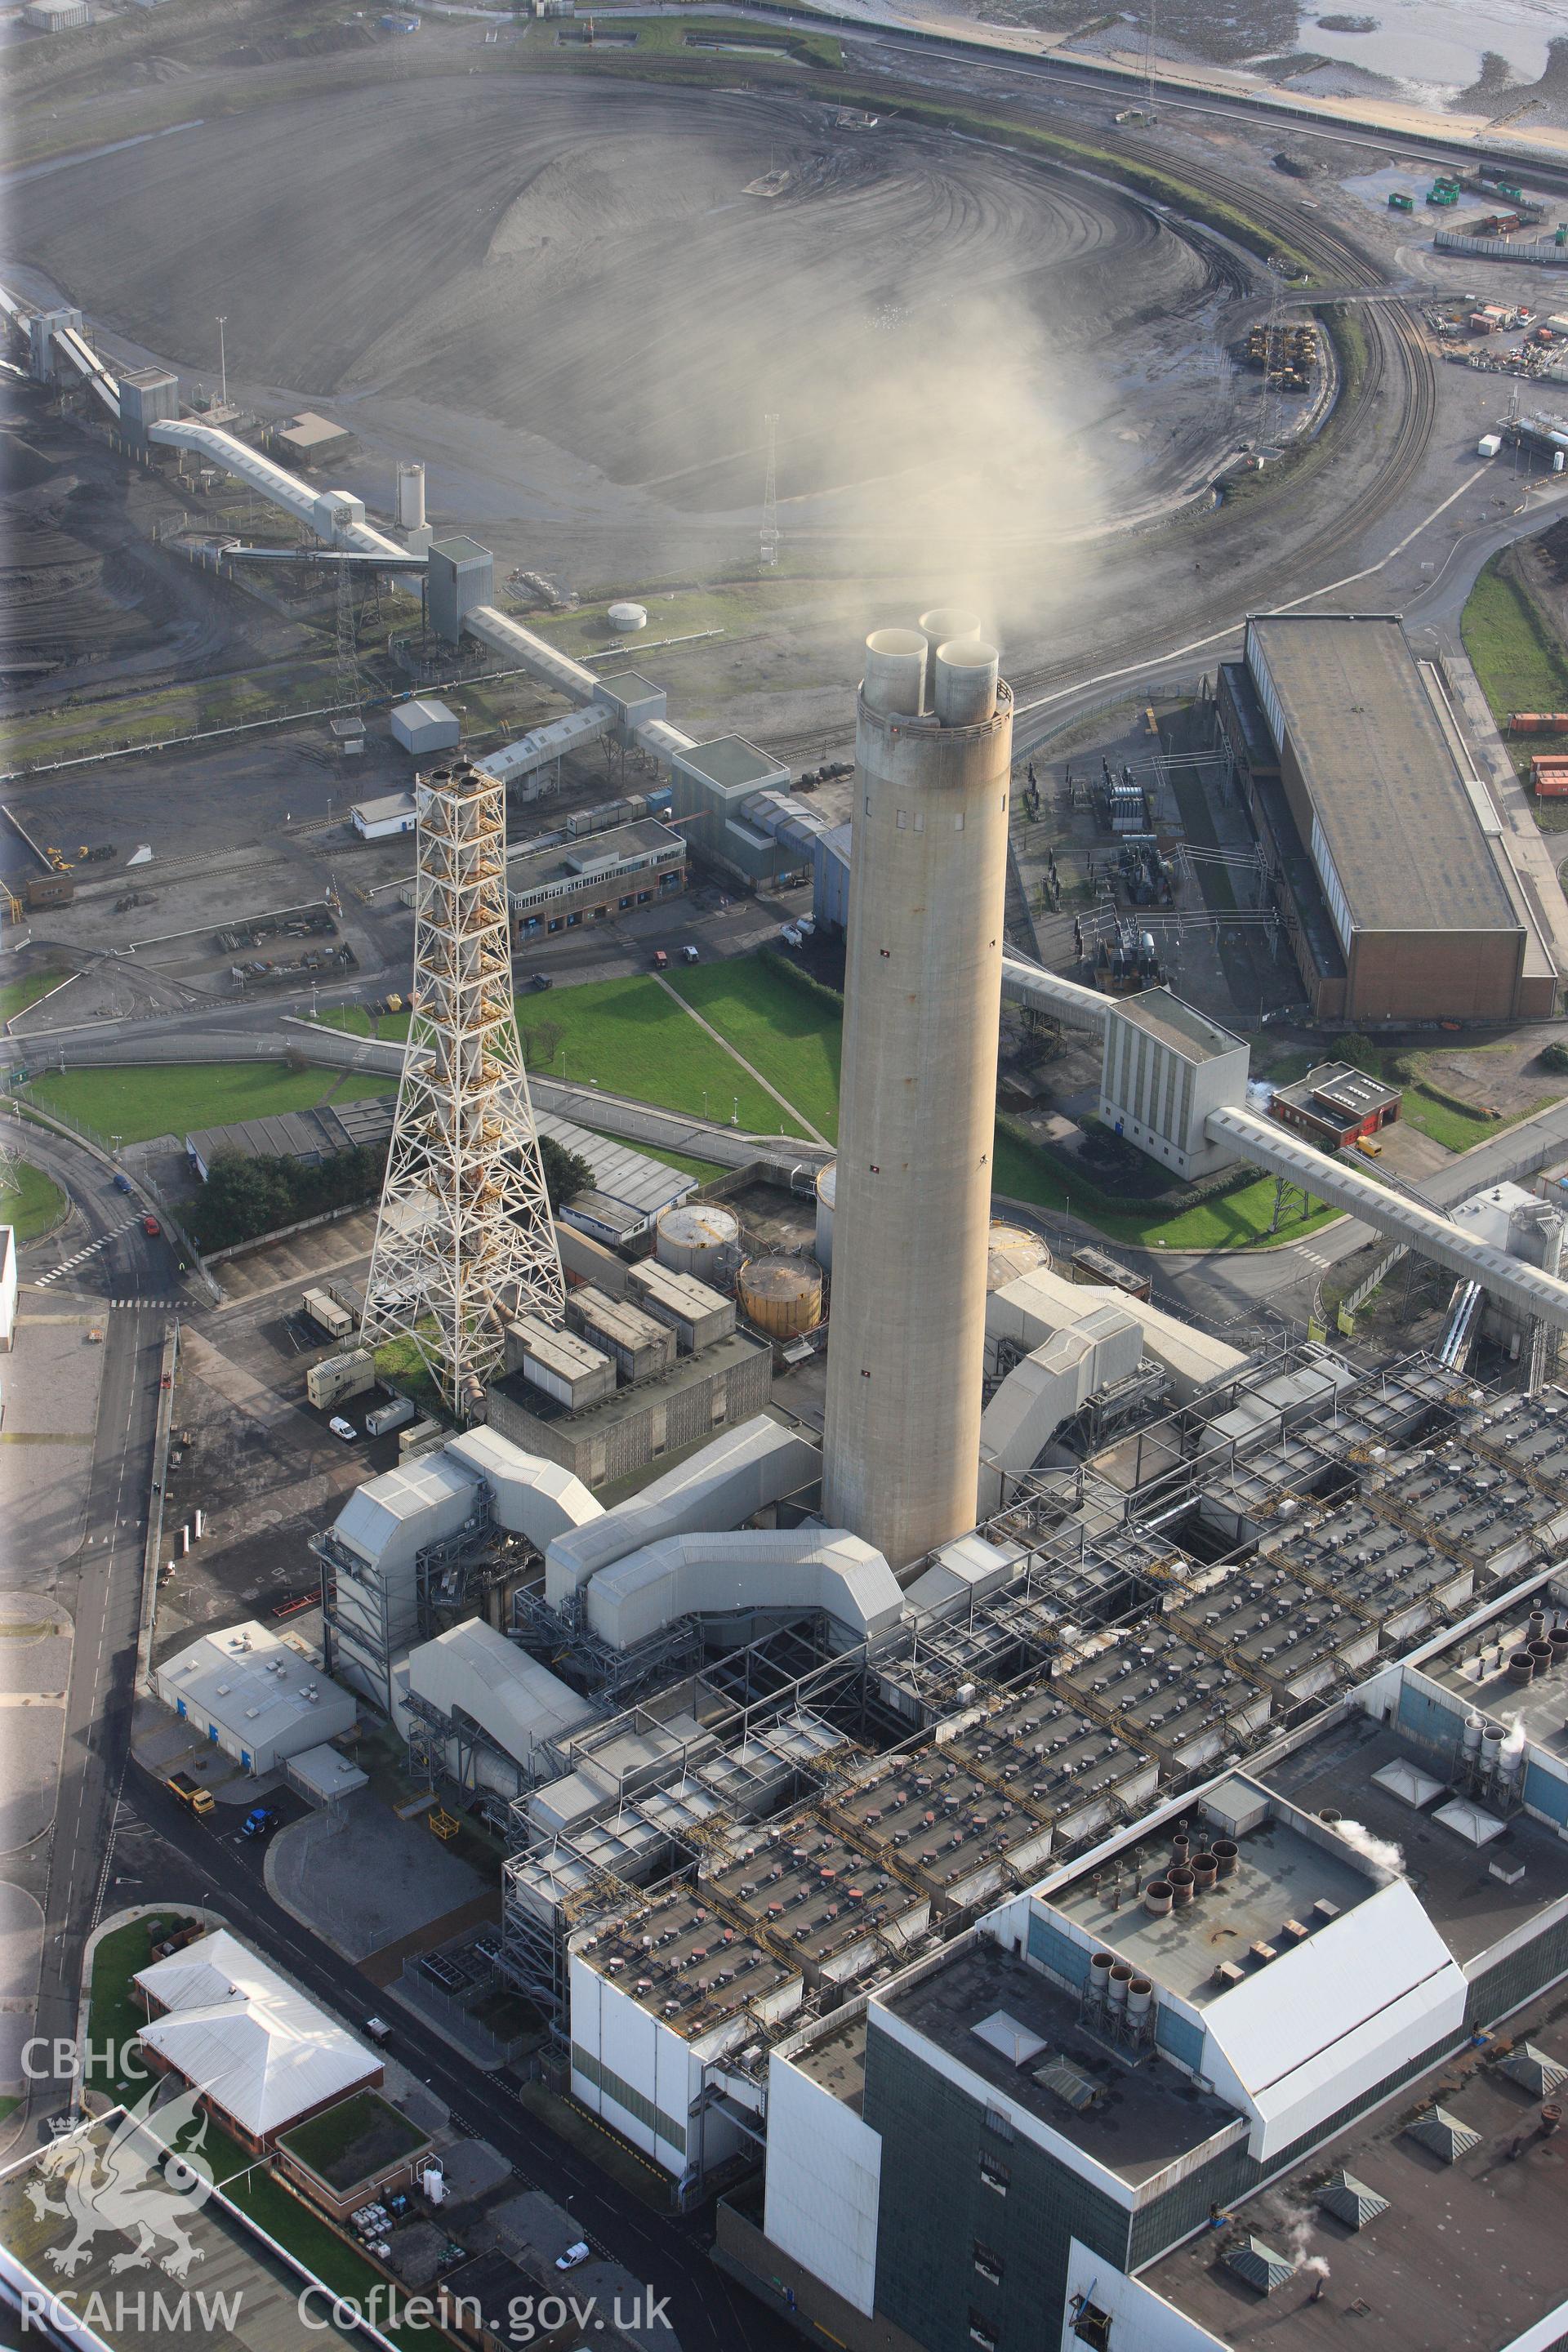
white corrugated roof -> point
(1290, 2030)
(238, 2032)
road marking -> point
(91, 1249)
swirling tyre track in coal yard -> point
(1394, 348)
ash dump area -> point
(613, 284)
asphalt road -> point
(100, 1584)
(191, 1862)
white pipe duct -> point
(522, 650)
(1266, 1145)
(1064, 1000)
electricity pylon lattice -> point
(464, 1240)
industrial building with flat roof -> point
(1401, 901)
(558, 887)
(1165, 1067)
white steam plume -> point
(1382, 1852)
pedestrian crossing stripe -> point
(90, 1250)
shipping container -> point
(336, 1376)
(1538, 722)
(327, 1314)
(395, 1416)
(1398, 204)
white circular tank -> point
(410, 495)
(826, 1184)
(1012, 1251)
(698, 1237)
(627, 617)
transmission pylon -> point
(768, 541)
(1149, 60)
(464, 1240)
(347, 681)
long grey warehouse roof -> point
(628, 1176)
(1399, 824)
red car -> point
(150, 1225)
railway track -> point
(1397, 361)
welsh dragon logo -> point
(115, 2186)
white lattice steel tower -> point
(464, 1236)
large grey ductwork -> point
(895, 677)
(741, 1473)
(823, 1568)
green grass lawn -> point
(627, 1037)
(1238, 1219)
(142, 1100)
(782, 1026)
(1518, 663)
(33, 1205)
(17, 994)
(115, 2016)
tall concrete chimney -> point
(922, 1005)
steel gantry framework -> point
(465, 1237)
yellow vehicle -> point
(1370, 1145)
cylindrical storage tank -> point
(827, 1185)
(410, 495)
(783, 1296)
(911, 1207)
(1181, 1881)
(964, 688)
(1473, 1729)
(1116, 1983)
(1225, 1852)
(895, 672)
(1206, 1870)
(1521, 1667)
(1140, 1993)
(1100, 1966)
(627, 617)
(1157, 1897)
(1011, 1251)
(943, 626)
(1491, 1745)
(698, 1237)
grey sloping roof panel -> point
(1444, 2134)
(621, 1174)
(1399, 822)
(1534, 2071)
(1350, 2201)
(1259, 2265)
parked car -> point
(660, 960)
(259, 1821)
(689, 955)
(121, 1182)
(151, 1227)
(1366, 1143)
(378, 2029)
(581, 2253)
(541, 980)
(343, 1429)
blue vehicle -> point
(259, 1821)
(121, 1182)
